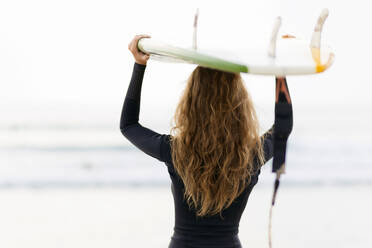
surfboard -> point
(285, 56)
(293, 57)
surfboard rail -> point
(189, 56)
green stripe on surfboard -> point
(189, 55)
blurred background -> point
(68, 178)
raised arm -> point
(268, 143)
(147, 140)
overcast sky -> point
(66, 60)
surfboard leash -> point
(282, 128)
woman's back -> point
(213, 159)
(219, 230)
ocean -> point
(73, 156)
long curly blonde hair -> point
(215, 140)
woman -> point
(213, 158)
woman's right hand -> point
(139, 56)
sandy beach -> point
(144, 217)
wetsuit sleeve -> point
(268, 143)
(147, 140)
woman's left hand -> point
(139, 56)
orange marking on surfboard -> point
(288, 36)
(319, 67)
(315, 53)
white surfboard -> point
(285, 56)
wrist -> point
(139, 66)
(140, 63)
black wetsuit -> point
(189, 231)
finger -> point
(133, 46)
(140, 36)
(145, 36)
(130, 47)
(144, 55)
